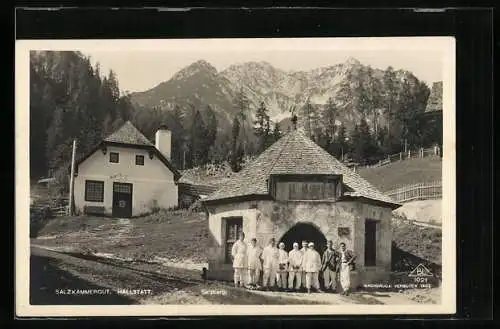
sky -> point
(143, 64)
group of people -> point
(297, 270)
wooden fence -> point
(50, 208)
(420, 191)
(401, 156)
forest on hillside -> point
(71, 99)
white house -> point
(126, 175)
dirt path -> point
(73, 279)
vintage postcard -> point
(235, 176)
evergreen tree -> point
(235, 146)
(211, 128)
(363, 146)
(198, 143)
(68, 100)
(390, 97)
(262, 127)
(241, 106)
(329, 118)
(342, 143)
(373, 92)
(309, 118)
(178, 133)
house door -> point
(370, 243)
(122, 200)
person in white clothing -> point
(302, 272)
(282, 267)
(239, 254)
(254, 263)
(312, 265)
(347, 264)
(270, 257)
(294, 263)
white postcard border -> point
(22, 241)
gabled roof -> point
(295, 154)
(129, 136)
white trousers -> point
(269, 277)
(303, 279)
(345, 277)
(239, 276)
(312, 280)
(253, 276)
(281, 279)
(297, 276)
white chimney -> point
(163, 141)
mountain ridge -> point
(200, 84)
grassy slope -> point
(403, 173)
(173, 235)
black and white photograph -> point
(235, 176)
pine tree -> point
(342, 143)
(235, 145)
(178, 140)
(198, 143)
(363, 146)
(262, 127)
(329, 117)
(390, 97)
(308, 117)
(241, 106)
(373, 92)
(211, 127)
(69, 100)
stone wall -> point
(266, 219)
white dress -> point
(239, 253)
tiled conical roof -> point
(294, 153)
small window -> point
(94, 191)
(114, 157)
(139, 160)
(344, 232)
(234, 225)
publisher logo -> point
(420, 271)
(422, 276)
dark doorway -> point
(234, 226)
(370, 242)
(122, 200)
(307, 232)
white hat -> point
(281, 244)
(311, 244)
(295, 244)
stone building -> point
(297, 191)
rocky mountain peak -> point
(199, 67)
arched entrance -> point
(307, 232)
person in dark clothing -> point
(329, 267)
